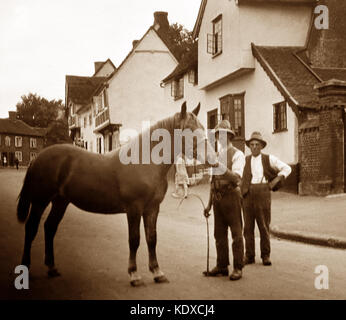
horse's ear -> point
(183, 111)
(196, 110)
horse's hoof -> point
(137, 283)
(53, 273)
(161, 279)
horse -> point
(101, 183)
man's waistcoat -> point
(268, 172)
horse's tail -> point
(24, 200)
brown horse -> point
(64, 174)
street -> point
(91, 253)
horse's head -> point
(191, 133)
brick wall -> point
(25, 149)
(321, 143)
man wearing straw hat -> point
(225, 197)
(263, 173)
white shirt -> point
(257, 168)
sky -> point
(42, 41)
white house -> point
(134, 92)
(232, 38)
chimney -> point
(134, 43)
(98, 64)
(12, 115)
(161, 20)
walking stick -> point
(206, 218)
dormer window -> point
(214, 45)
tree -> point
(37, 111)
(58, 132)
(179, 39)
(40, 113)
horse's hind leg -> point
(134, 219)
(150, 218)
(31, 227)
(59, 206)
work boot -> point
(248, 260)
(236, 274)
(216, 272)
(266, 261)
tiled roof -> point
(18, 127)
(327, 74)
(188, 62)
(294, 79)
(81, 89)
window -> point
(214, 45)
(33, 143)
(177, 88)
(232, 109)
(104, 98)
(193, 77)
(90, 119)
(280, 116)
(7, 141)
(18, 141)
(33, 156)
(18, 155)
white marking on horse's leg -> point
(135, 279)
(159, 276)
(157, 273)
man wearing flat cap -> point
(263, 173)
(225, 197)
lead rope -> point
(207, 221)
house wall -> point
(260, 95)
(25, 149)
(105, 71)
(192, 95)
(262, 24)
(134, 92)
(87, 133)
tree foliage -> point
(180, 39)
(37, 111)
(58, 132)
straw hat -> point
(256, 136)
(224, 125)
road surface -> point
(91, 252)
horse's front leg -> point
(150, 218)
(134, 219)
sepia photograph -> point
(172, 156)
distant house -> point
(262, 65)
(84, 108)
(19, 140)
(134, 92)
(109, 107)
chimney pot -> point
(12, 115)
(134, 43)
